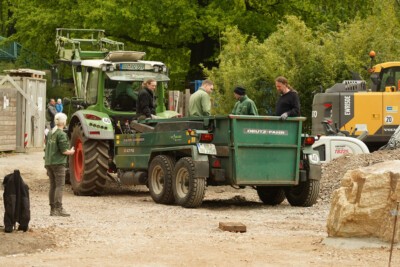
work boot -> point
(60, 211)
(52, 210)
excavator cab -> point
(385, 77)
(391, 78)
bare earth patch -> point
(124, 227)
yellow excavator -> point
(353, 109)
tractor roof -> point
(98, 63)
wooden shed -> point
(22, 110)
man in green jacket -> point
(199, 102)
(55, 159)
(244, 105)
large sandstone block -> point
(363, 205)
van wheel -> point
(305, 194)
(188, 190)
(160, 179)
(271, 195)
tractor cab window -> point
(92, 86)
(121, 95)
(390, 78)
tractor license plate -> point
(207, 149)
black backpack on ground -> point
(16, 203)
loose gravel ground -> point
(124, 227)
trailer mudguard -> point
(315, 172)
(95, 124)
(313, 162)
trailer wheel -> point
(303, 195)
(88, 165)
(160, 179)
(271, 195)
(188, 189)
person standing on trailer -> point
(200, 102)
(244, 105)
(288, 104)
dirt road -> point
(124, 227)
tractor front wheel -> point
(88, 165)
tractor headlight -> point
(108, 67)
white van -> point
(334, 146)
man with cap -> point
(244, 105)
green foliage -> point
(251, 41)
(291, 51)
(6, 66)
(311, 58)
(182, 33)
(60, 91)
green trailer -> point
(177, 158)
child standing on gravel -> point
(59, 106)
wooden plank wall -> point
(179, 101)
(8, 119)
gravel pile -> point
(333, 171)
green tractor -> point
(106, 80)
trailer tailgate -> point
(266, 150)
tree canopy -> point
(311, 58)
(312, 42)
(182, 33)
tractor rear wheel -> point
(188, 189)
(271, 195)
(88, 165)
(304, 194)
(160, 179)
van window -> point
(322, 152)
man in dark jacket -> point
(145, 105)
(51, 112)
(288, 104)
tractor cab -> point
(111, 85)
